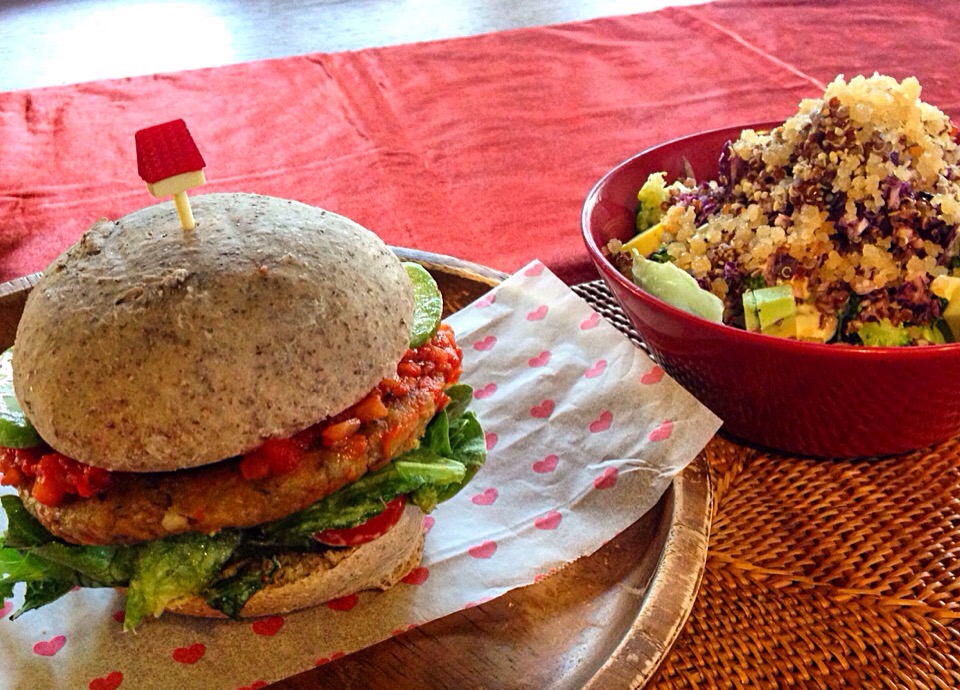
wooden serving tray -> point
(606, 621)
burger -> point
(243, 419)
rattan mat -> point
(823, 573)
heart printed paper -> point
(584, 434)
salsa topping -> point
(54, 476)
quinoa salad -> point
(838, 226)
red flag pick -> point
(169, 162)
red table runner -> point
(481, 147)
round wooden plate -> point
(606, 621)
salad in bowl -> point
(777, 270)
(837, 226)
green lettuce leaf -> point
(23, 530)
(460, 395)
(107, 566)
(34, 556)
(467, 447)
(23, 566)
(46, 581)
(229, 594)
(168, 569)
(41, 593)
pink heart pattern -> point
(543, 410)
(546, 465)
(549, 521)
(653, 376)
(191, 654)
(485, 301)
(538, 314)
(111, 681)
(255, 685)
(6, 608)
(268, 627)
(49, 647)
(607, 480)
(485, 392)
(343, 603)
(486, 498)
(662, 432)
(540, 360)
(417, 576)
(485, 344)
(534, 270)
(590, 322)
(601, 423)
(328, 659)
(428, 522)
(596, 370)
(484, 550)
(490, 440)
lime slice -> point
(428, 304)
(15, 430)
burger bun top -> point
(145, 347)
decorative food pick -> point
(169, 162)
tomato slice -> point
(375, 527)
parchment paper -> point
(584, 434)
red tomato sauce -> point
(429, 368)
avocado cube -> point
(751, 317)
(948, 288)
(775, 311)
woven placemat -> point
(823, 573)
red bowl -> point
(801, 398)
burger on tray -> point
(242, 419)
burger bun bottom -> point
(310, 579)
